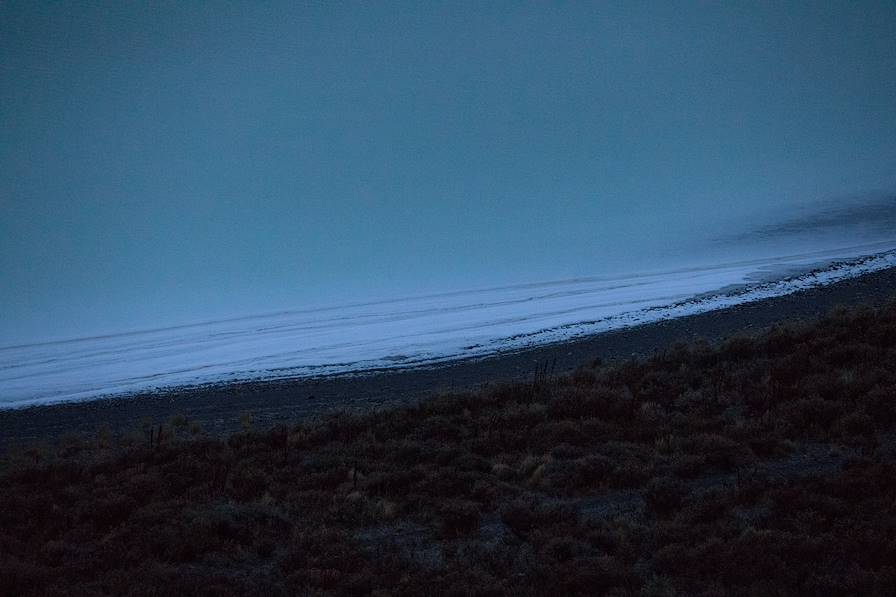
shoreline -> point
(400, 334)
(218, 408)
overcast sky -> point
(163, 163)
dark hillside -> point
(763, 466)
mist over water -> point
(169, 166)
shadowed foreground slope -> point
(764, 466)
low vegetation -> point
(762, 466)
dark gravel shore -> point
(219, 409)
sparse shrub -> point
(583, 377)
(575, 475)
(525, 516)
(392, 483)
(811, 416)
(738, 349)
(566, 548)
(629, 473)
(104, 437)
(856, 424)
(718, 452)
(567, 452)
(689, 466)
(108, 511)
(663, 496)
(880, 404)
(503, 471)
(658, 586)
(247, 482)
(550, 433)
(459, 517)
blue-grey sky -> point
(162, 163)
